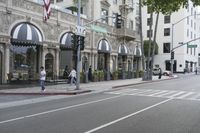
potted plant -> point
(95, 76)
(115, 75)
(81, 77)
(141, 73)
(101, 75)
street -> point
(170, 106)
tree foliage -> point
(168, 6)
(146, 45)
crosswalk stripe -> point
(176, 94)
(151, 92)
(158, 93)
(127, 90)
(185, 95)
(143, 92)
(165, 94)
(197, 96)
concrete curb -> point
(46, 93)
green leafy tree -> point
(146, 44)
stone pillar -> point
(57, 62)
(116, 62)
(95, 61)
(108, 67)
(6, 62)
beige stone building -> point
(27, 42)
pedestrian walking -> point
(196, 69)
(42, 78)
(66, 72)
(160, 73)
(72, 76)
(90, 73)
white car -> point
(156, 71)
(166, 73)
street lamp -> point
(172, 40)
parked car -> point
(156, 71)
(166, 73)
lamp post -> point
(172, 40)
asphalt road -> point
(171, 106)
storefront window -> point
(23, 62)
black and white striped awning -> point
(123, 50)
(26, 34)
(137, 52)
(65, 41)
(104, 46)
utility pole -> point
(78, 51)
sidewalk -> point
(66, 89)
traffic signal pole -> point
(78, 51)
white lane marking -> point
(195, 97)
(165, 94)
(59, 109)
(127, 90)
(158, 93)
(120, 92)
(185, 95)
(125, 117)
(143, 92)
(151, 92)
(176, 94)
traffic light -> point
(172, 55)
(73, 40)
(80, 41)
(118, 21)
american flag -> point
(47, 9)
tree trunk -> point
(154, 42)
(149, 48)
(141, 39)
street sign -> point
(98, 29)
(80, 30)
(192, 46)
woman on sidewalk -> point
(72, 76)
(42, 78)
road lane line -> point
(59, 109)
(185, 95)
(157, 93)
(125, 117)
(165, 94)
(176, 94)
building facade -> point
(186, 29)
(28, 42)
